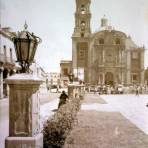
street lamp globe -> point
(25, 47)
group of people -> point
(118, 89)
(63, 98)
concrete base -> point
(24, 142)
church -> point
(106, 57)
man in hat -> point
(63, 97)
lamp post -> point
(24, 125)
(71, 77)
(1, 80)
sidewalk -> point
(102, 125)
(4, 121)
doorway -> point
(109, 78)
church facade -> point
(108, 56)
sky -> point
(53, 21)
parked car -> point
(120, 89)
(92, 89)
(54, 88)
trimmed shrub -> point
(57, 128)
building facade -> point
(54, 78)
(39, 71)
(65, 70)
(107, 56)
(7, 65)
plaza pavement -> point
(130, 106)
(121, 122)
(129, 110)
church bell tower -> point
(80, 39)
(82, 18)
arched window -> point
(83, 24)
(101, 41)
(82, 35)
(117, 41)
(83, 9)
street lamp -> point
(71, 77)
(25, 46)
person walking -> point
(63, 98)
(137, 91)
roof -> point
(65, 61)
(129, 43)
(112, 31)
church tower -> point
(80, 39)
(82, 18)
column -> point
(5, 53)
(74, 59)
(122, 79)
(120, 56)
(99, 79)
(103, 76)
(142, 67)
(24, 125)
(103, 56)
(128, 76)
(1, 83)
(7, 87)
(11, 57)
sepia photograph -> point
(73, 73)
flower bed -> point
(56, 129)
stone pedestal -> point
(75, 90)
(24, 142)
(71, 91)
(24, 127)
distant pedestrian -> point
(137, 91)
(63, 98)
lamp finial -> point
(25, 26)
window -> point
(134, 77)
(83, 24)
(101, 41)
(135, 55)
(117, 41)
(82, 35)
(65, 71)
(83, 10)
